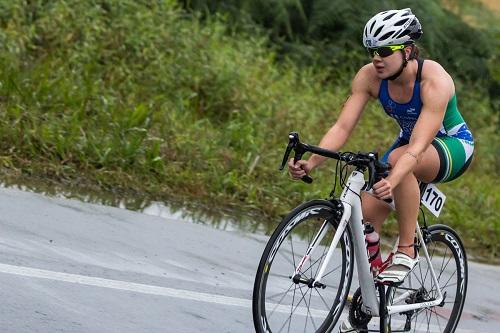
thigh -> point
(428, 165)
(455, 156)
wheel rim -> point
(288, 306)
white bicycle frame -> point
(350, 199)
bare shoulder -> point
(366, 81)
(436, 79)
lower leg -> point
(406, 197)
(374, 211)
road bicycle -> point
(305, 272)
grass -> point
(139, 100)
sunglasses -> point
(384, 51)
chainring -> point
(358, 319)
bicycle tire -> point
(449, 260)
(274, 283)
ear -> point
(409, 52)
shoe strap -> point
(404, 260)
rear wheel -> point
(283, 302)
(449, 261)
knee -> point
(393, 157)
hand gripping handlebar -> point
(363, 161)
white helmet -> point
(392, 27)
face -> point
(388, 65)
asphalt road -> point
(68, 266)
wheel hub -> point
(309, 282)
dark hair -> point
(415, 52)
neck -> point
(408, 75)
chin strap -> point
(405, 62)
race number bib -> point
(433, 199)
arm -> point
(338, 134)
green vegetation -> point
(144, 99)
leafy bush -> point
(328, 32)
(142, 98)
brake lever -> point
(293, 142)
(293, 138)
(285, 157)
(376, 165)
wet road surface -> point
(68, 266)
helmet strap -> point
(403, 65)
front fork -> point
(316, 282)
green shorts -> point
(455, 156)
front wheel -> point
(447, 256)
(284, 301)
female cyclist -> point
(434, 144)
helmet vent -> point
(371, 27)
(387, 35)
(400, 22)
(389, 16)
(378, 31)
(404, 33)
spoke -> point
(454, 302)
(301, 299)
(421, 276)
(281, 275)
(292, 310)
(449, 285)
(446, 284)
(419, 311)
(273, 296)
(289, 320)
(428, 320)
(442, 263)
(421, 282)
(433, 310)
(324, 275)
(430, 261)
(287, 258)
(293, 262)
(321, 262)
(433, 251)
(443, 269)
(279, 302)
(310, 265)
(326, 304)
(312, 319)
(416, 320)
(437, 318)
(279, 294)
(333, 270)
